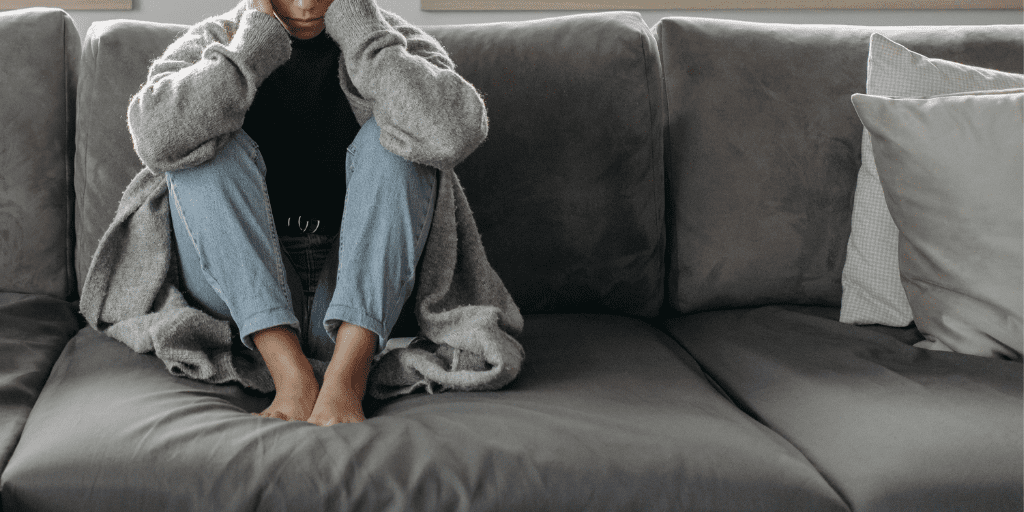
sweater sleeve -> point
(197, 93)
(427, 112)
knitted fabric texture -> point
(196, 96)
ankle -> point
(277, 337)
(350, 364)
(281, 350)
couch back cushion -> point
(567, 190)
(763, 149)
(115, 59)
(38, 75)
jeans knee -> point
(238, 160)
(368, 135)
(370, 164)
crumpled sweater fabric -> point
(196, 96)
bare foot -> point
(296, 385)
(336, 405)
(291, 405)
(341, 399)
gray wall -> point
(190, 11)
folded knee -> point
(239, 160)
(369, 163)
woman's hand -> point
(267, 7)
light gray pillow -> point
(872, 292)
(952, 172)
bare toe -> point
(336, 406)
(323, 422)
(289, 409)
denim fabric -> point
(234, 265)
(304, 259)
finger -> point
(279, 20)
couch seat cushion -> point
(890, 426)
(33, 330)
(608, 414)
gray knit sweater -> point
(196, 96)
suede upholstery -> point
(764, 148)
(892, 427)
(572, 220)
(588, 216)
(568, 190)
(38, 75)
(637, 427)
(33, 330)
(113, 70)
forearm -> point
(427, 112)
(198, 92)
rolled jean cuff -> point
(266, 319)
(337, 314)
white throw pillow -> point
(872, 291)
(952, 171)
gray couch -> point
(669, 207)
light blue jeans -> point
(235, 267)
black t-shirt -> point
(303, 125)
